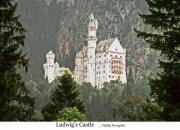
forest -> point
(100, 104)
(148, 29)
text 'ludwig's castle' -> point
(102, 62)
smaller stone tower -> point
(51, 68)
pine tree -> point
(164, 19)
(129, 86)
(15, 104)
(64, 95)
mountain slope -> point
(61, 26)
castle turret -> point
(50, 57)
(51, 68)
(91, 38)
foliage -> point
(40, 92)
(142, 88)
(15, 103)
(99, 103)
(136, 109)
(164, 18)
(65, 94)
(71, 114)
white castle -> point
(102, 62)
(96, 64)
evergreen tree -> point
(164, 18)
(15, 104)
(129, 86)
(64, 95)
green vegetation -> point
(71, 114)
(64, 95)
(15, 103)
(164, 19)
(99, 104)
(136, 109)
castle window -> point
(104, 55)
(116, 49)
(112, 76)
(91, 57)
(91, 65)
(99, 56)
(104, 71)
(103, 66)
(99, 72)
(111, 55)
(120, 56)
(115, 56)
(109, 76)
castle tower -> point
(91, 38)
(51, 68)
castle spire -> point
(91, 16)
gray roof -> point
(91, 16)
(105, 44)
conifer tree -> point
(129, 86)
(164, 19)
(64, 95)
(15, 104)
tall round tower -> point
(91, 38)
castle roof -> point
(91, 16)
(50, 54)
(104, 45)
(83, 52)
(92, 21)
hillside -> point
(61, 26)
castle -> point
(102, 62)
(95, 63)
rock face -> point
(61, 25)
